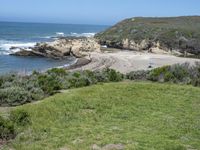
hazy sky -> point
(92, 11)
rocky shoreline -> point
(62, 48)
(78, 47)
(91, 56)
(148, 38)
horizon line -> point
(30, 22)
(59, 23)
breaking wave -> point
(83, 34)
(8, 47)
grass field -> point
(138, 115)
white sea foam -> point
(60, 34)
(83, 34)
(47, 37)
(5, 46)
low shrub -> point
(161, 74)
(9, 77)
(57, 72)
(137, 75)
(176, 73)
(91, 76)
(49, 83)
(13, 96)
(113, 75)
(100, 76)
(1, 81)
(76, 74)
(76, 82)
(195, 74)
(20, 117)
(180, 72)
(17, 90)
(6, 129)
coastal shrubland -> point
(17, 89)
(143, 33)
(178, 73)
(72, 114)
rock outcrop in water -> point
(63, 47)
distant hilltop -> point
(180, 34)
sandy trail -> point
(126, 61)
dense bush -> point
(6, 129)
(112, 75)
(195, 74)
(20, 117)
(1, 82)
(49, 83)
(57, 71)
(14, 96)
(178, 73)
(161, 74)
(137, 75)
(101, 77)
(181, 72)
(8, 126)
(17, 90)
(76, 82)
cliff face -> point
(176, 33)
(78, 47)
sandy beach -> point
(127, 61)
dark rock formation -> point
(58, 49)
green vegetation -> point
(139, 115)
(9, 124)
(182, 33)
(178, 73)
(6, 129)
(20, 117)
(17, 90)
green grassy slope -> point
(139, 115)
(173, 33)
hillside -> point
(173, 33)
(137, 115)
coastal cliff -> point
(180, 34)
(63, 47)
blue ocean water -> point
(27, 35)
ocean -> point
(28, 34)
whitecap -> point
(47, 37)
(60, 34)
(83, 34)
(5, 46)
